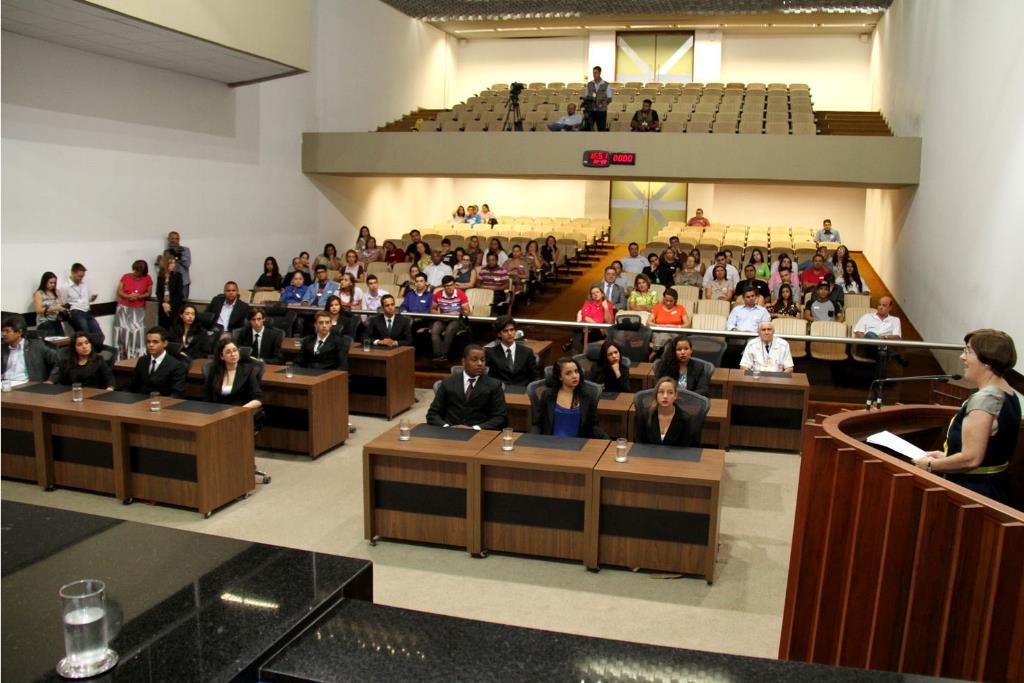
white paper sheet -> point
(896, 443)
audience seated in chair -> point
(645, 119)
(495, 278)
(610, 368)
(389, 328)
(571, 121)
(264, 341)
(448, 300)
(25, 360)
(191, 333)
(677, 361)
(323, 349)
(508, 361)
(747, 317)
(322, 287)
(567, 405)
(157, 370)
(751, 281)
(661, 421)
(767, 352)
(612, 290)
(823, 307)
(879, 325)
(227, 379)
(470, 398)
(229, 312)
(82, 364)
(731, 274)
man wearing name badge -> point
(158, 370)
(324, 350)
(612, 291)
(599, 92)
(76, 294)
(321, 289)
(373, 295)
(645, 120)
(749, 316)
(390, 328)
(766, 352)
(229, 312)
(509, 362)
(469, 398)
(264, 341)
(25, 360)
(634, 263)
(878, 325)
(571, 121)
(827, 233)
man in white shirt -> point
(371, 300)
(749, 316)
(827, 233)
(878, 325)
(571, 120)
(634, 263)
(437, 270)
(731, 274)
(75, 293)
(766, 352)
(24, 360)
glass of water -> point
(507, 439)
(366, 344)
(289, 370)
(404, 430)
(621, 446)
(154, 402)
(755, 371)
(5, 385)
(76, 393)
(86, 630)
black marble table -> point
(358, 641)
(196, 607)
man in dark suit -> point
(25, 360)
(612, 291)
(229, 312)
(264, 341)
(158, 370)
(324, 350)
(389, 328)
(508, 361)
(469, 398)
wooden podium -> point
(895, 568)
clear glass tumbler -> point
(404, 430)
(87, 630)
(76, 393)
(507, 439)
(154, 402)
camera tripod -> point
(513, 117)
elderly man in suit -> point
(264, 341)
(509, 362)
(325, 349)
(228, 311)
(612, 291)
(157, 370)
(24, 360)
(389, 327)
(469, 398)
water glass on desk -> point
(755, 371)
(366, 344)
(507, 439)
(87, 629)
(404, 431)
(76, 393)
(6, 386)
(154, 402)
(620, 450)
(289, 370)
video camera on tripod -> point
(513, 116)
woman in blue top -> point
(567, 406)
(295, 291)
(983, 435)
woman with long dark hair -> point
(230, 381)
(329, 258)
(49, 306)
(169, 290)
(190, 333)
(609, 371)
(838, 261)
(761, 268)
(720, 286)
(549, 252)
(566, 406)
(494, 247)
(353, 266)
(677, 362)
(270, 280)
(785, 306)
(392, 254)
(83, 366)
(851, 281)
(364, 235)
(664, 423)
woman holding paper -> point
(982, 436)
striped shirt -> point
(450, 304)
(492, 278)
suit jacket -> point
(646, 429)
(698, 378)
(544, 415)
(608, 380)
(270, 343)
(176, 289)
(333, 355)
(245, 388)
(524, 370)
(401, 329)
(239, 314)
(169, 378)
(618, 297)
(96, 373)
(485, 407)
(39, 359)
(198, 344)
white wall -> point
(481, 63)
(801, 205)
(707, 56)
(837, 67)
(929, 58)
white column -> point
(707, 56)
(601, 52)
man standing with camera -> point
(183, 256)
(596, 98)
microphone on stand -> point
(876, 386)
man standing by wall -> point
(599, 93)
(183, 256)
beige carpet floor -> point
(317, 505)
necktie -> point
(608, 292)
(319, 344)
(152, 366)
(256, 345)
(389, 321)
(508, 358)
(469, 389)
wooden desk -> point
(768, 412)
(717, 389)
(657, 513)
(541, 347)
(641, 376)
(424, 489)
(537, 501)
(291, 425)
(716, 425)
(194, 460)
(614, 414)
(382, 381)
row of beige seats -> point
(657, 85)
(623, 125)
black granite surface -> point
(364, 642)
(126, 397)
(202, 407)
(558, 443)
(196, 607)
(649, 450)
(48, 389)
(448, 433)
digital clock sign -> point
(598, 158)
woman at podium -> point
(983, 434)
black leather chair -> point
(694, 406)
(710, 349)
(633, 338)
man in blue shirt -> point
(827, 233)
(418, 299)
(317, 293)
(749, 316)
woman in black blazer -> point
(190, 333)
(567, 407)
(678, 362)
(664, 423)
(229, 381)
(83, 366)
(169, 291)
(609, 370)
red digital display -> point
(598, 158)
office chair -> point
(694, 406)
(710, 349)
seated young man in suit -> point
(25, 360)
(470, 398)
(158, 370)
(264, 341)
(229, 312)
(389, 327)
(508, 361)
(324, 350)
